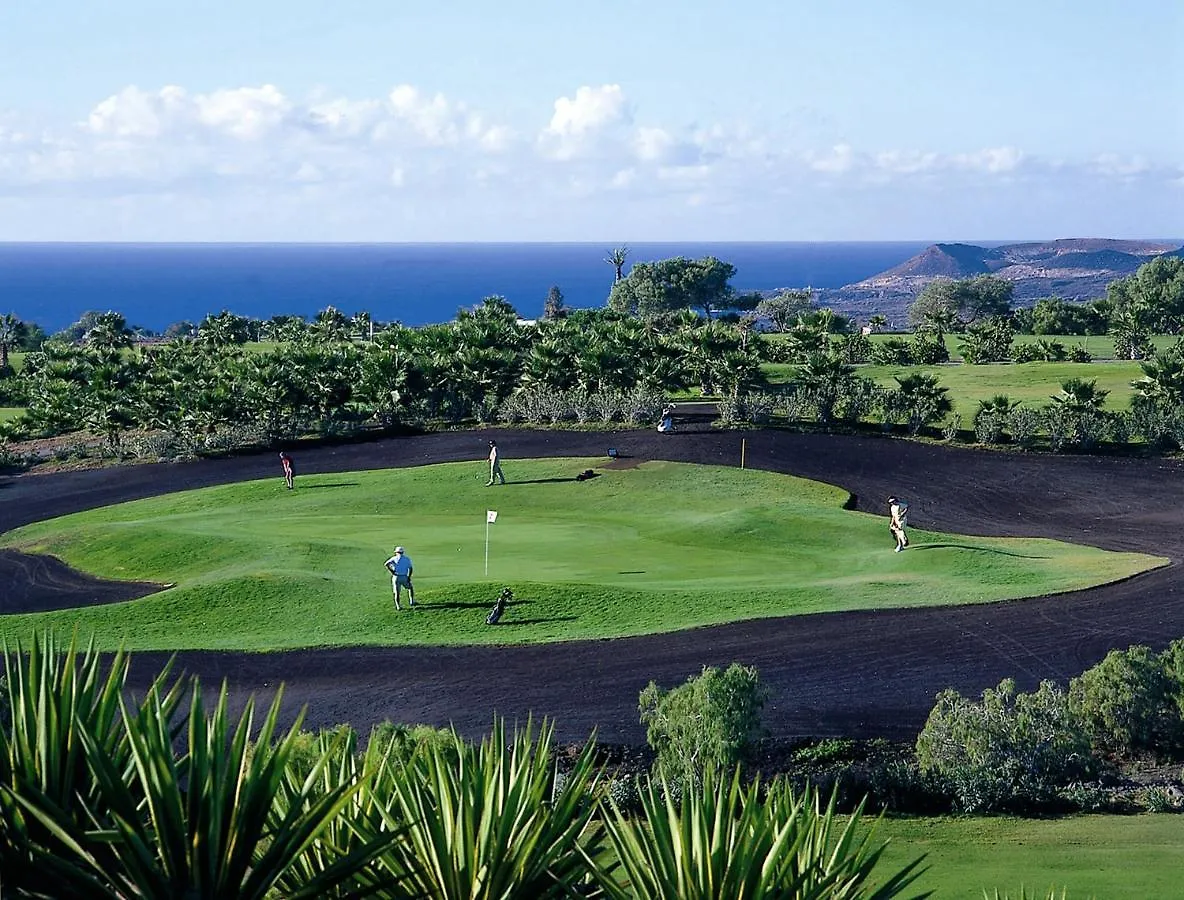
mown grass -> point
(1089, 856)
(10, 412)
(660, 547)
(1033, 383)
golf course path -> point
(859, 674)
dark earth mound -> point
(40, 583)
(858, 674)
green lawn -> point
(660, 547)
(1034, 383)
(1090, 856)
(10, 412)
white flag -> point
(491, 516)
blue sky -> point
(748, 120)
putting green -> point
(659, 547)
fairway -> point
(1088, 856)
(657, 547)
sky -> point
(751, 120)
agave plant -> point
(60, 703)
(724, 841)
(196, 825)
(493, 822)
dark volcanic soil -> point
(857, 674)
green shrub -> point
(1128, 701)
(407, 741)
(929, 352)
(825, 751)
(1087, 796)
(855, 348)
(893, 352)
(710, 723)
(1009, 751)
(1023, 424)
(1080, 355)
(1160, 798)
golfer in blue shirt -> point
(400, 568)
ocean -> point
(153, 285)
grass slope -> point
(659, 547)
(1090, 856)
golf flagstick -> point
(490, 518)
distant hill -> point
(1073, 268)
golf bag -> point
(499, 606)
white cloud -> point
(447, 161)
(591, 109)
(584, 124)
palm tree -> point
(1131, 327)
(616, 258)
(1163, 379)
(110, 332)
(877, 323)
(1078, 395)
(939, 321)
(825, 377)
(922, 399)
(991, 418)
(11, 330)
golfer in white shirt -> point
(400, 568)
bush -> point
(407, 741)
(855, 348)
(1128, 701)
(989, 425)
(825, 751)
(1009, 751)
(893, 352)
(1080, 355)
(928, 352)
(712, 722)
(1023, 423)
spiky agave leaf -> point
(56, 695)
(361, 832)
(724, 841)
(490, 823)
(200, 824)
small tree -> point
(783, 310)
(988, 341)
(709, 723)
(922, 400)
(1008, 751)
(1128, 701)
(617, 258)
(553, 306)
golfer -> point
(401, 569)
(667, 423)
(495, 465)
(286, 462)
(898, 515)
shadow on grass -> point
(508, 622)
(306, 487)
(459, 604)
(542, 481)
(976, 549)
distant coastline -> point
(156, 284)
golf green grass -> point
(658, 547)
(10, 412)
(1087, 856)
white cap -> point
(398, 549)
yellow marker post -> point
(743, 447)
